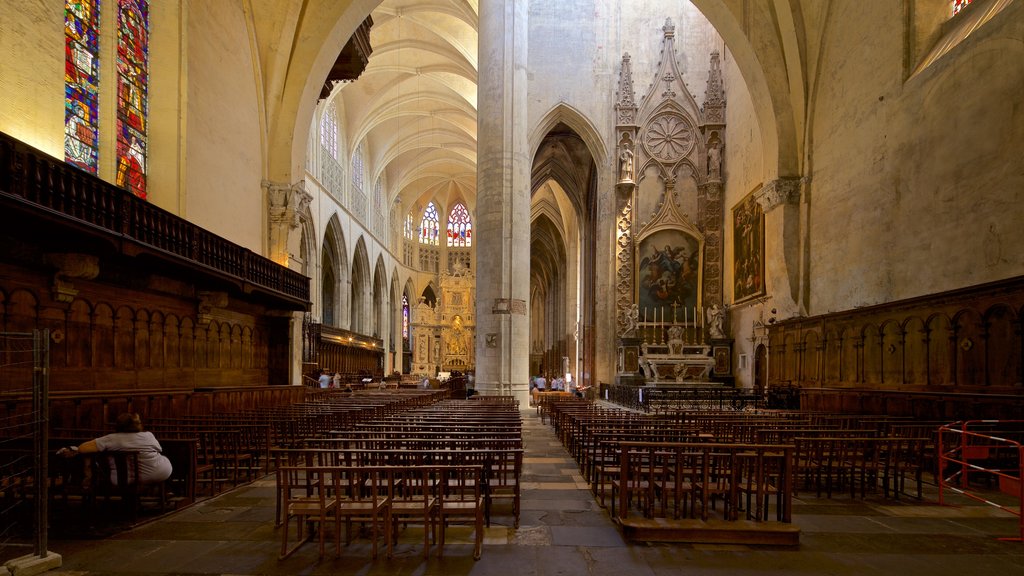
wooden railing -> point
(37, 180)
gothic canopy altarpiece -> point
(669, 200)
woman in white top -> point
(129, 437)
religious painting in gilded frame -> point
(668, 276)
(748, 249)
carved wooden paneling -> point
(915, 352)
(962, 350)
(95, 345)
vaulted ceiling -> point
(415, 104)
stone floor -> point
(564, 531)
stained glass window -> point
(429, 226)
(329, 131)
(405, 317)
(959, 5)
(81, 81)
(132, 97)
(460, 229)
(410, 228)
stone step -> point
(710, 531)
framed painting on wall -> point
(748, 249)
(668, 275)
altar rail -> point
(671, 398)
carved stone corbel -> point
(286, 203)
(71, 265)
(778, 192)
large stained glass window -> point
(460, 229)
(429, 226)
(959, 5)
(81, 81)
(132, 88)
(405, 317)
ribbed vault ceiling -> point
(415, 104)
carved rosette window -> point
(669, 137)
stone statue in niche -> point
(626, 164)
(715, 161)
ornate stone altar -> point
(669, 201)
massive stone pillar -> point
(503, 202)
(780, 200)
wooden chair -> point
(460, 499)
(760, 478)
(503, 473)
(362, 495)
(308, 498)
(412, 496)
(675, 485)
(715, 481)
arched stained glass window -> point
(81, 83)
(429, 226)
(410, 227)
(460, 228)
(959, 5)
(329, 130)
(132, 94)
(405, 317)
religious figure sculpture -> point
(675, 339)
(715, 162)
(716, 317)
(626, 165)
(650, 371)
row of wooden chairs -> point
(382, 497)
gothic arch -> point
(334, 275)
(361, 290)
(378, 324)
(565, 114)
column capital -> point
(778, 192)
(286, 203)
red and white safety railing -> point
(989, 450)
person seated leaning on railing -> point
(129, 437)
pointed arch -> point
(359, 320)
(334, 275)
(378, 325)
(563, 113)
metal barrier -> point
(984, 449)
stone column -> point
(503, 202)
(780, 201)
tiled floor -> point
(564, 531)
